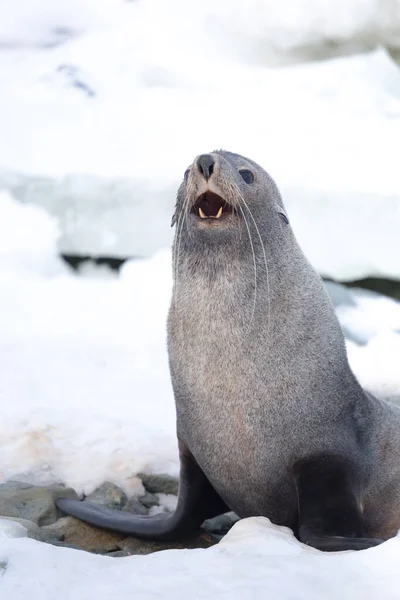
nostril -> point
(205, 163)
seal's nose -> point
(205, 163)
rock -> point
(74, 532)
(134, 506)
(118, 554)
(387, 287)
(109, 495)
(159, 483)
(34, 503)
(133, 545)
(221, 524)
(3, 566)
(148, 500)
(33, 530)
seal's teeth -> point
(202, 215)
(219, 213)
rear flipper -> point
(330, 516)
(197, 501)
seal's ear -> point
(282, 214)
(284, 217)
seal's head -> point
(226, 197)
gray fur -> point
(258, 360)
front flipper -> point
(197, 501)
(330, 516)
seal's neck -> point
(231, 291)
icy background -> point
(103, 105)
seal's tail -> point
(163, 527)
(197, 501)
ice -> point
(307, 29)
(28, 237)
(43, 23)
(104, 104)
(116, 114)
(85, 389)
(11, 529)
(255, 560)
(86, 398)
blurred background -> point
(103, 105)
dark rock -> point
(135, 546)
(134, 506)
(159, 484)
(221, 524)
(34, 503)
(387, 287)
(118, 554)
(149, 500)
(15, 485)
(81, 535)
(109, 495)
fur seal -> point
(270, 419)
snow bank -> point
(116, 114)
(254, 561)
(84, 387)
(44, 24)
(255, 30)
(28, 237)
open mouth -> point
(211, 206)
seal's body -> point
(270, 419)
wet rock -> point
(157, 484)
(220, 525)
(135, 507)
(148, 500)
(109, 495)
(135, 546)
(74, 532)
(34, 503)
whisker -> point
(265, 262)
(255, 267)
(177, 252)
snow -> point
(255, 560)
(85, 389)
(86, 397)
(100, 114)
(116, 112)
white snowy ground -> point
(111, 101)
(85, 397)
(255, 561)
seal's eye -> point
(186, 175)
(247, 175)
